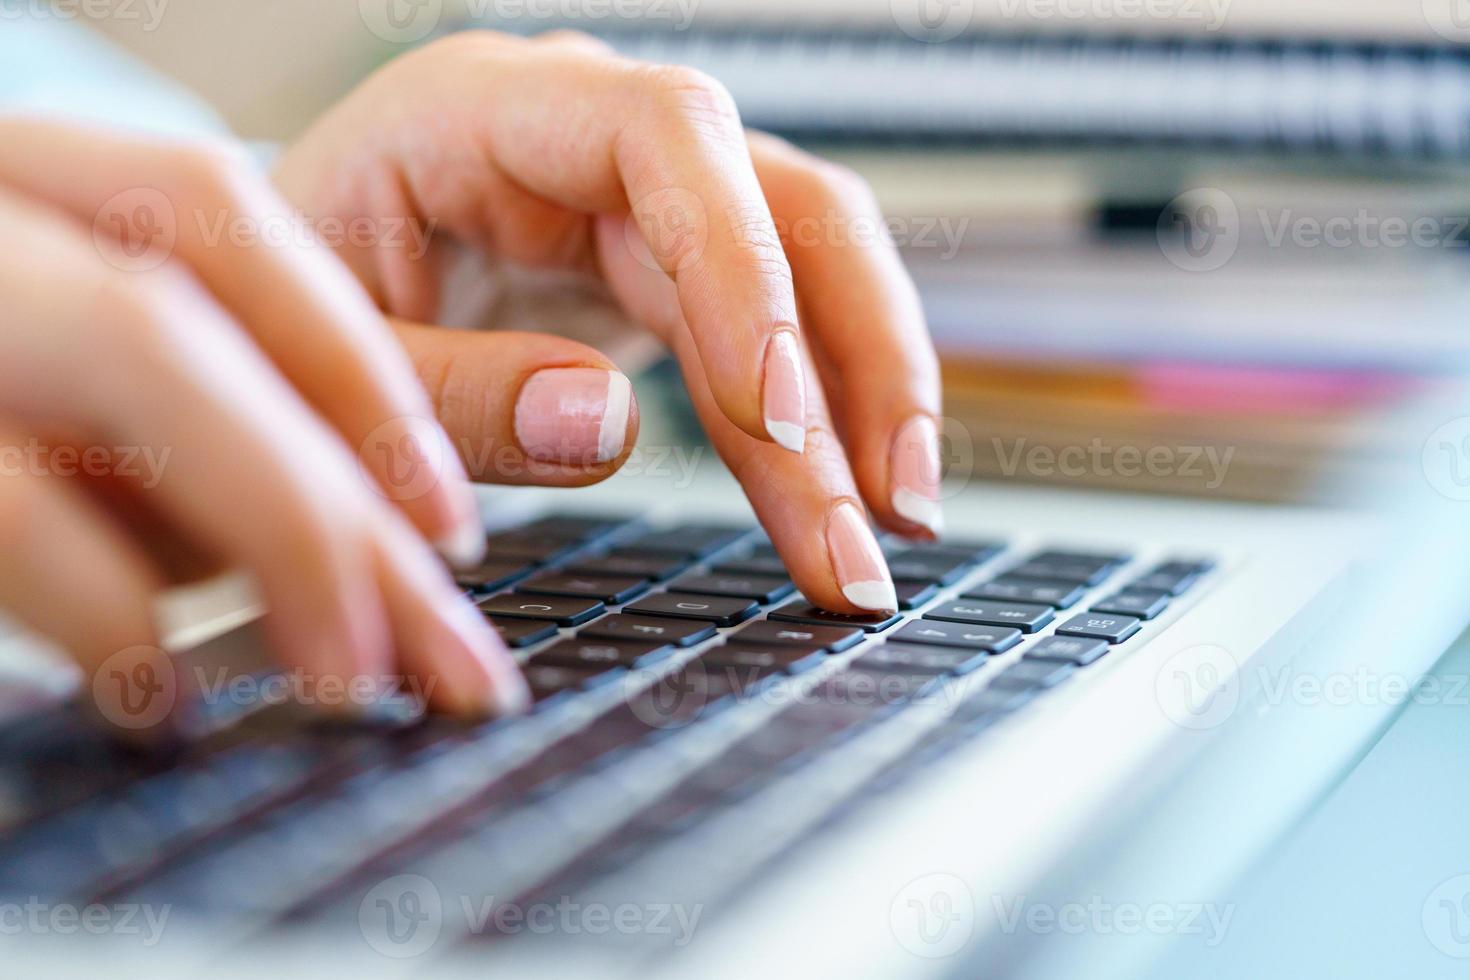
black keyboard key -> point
(1102, 626)
(1173, 577)
(1033, 674)
(594, 654)
(990, 639)
(610, 589)
(921, 659)
(978, 551)
(1143, 603)
(546, 681)
(720, 610)
(1075, 650)
(762, 588)
(993, 701)
(1026, 617)
(760, 564)
(646, 629)
(792, 659)
(690, 540)
(802, 611)
(834, 639)
(1081, 558)
(1050, 593)
(576, 528)
(943, 567)
(1069, 567)
(634, 564)
(523, 632)
(490, 576)
(564, 611)
(526, 547)
(912, 595)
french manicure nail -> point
(508, 693)
(861, 571)
(464, 547)
(574, 416)
(914, 473)
(783, 392)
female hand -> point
(763, 268)
(150, 315)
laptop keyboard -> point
(694, 718)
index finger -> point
(601, 134)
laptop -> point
(1095, 710)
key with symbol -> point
(562, 611)
(646, 629)
(833, 639)
(991, 639)
(1101, 626)
(594, 653)
(1024, 616)
(611, 589)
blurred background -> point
(1237, 227)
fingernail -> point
(783, 393)
(507, 692)
(464, 547)
(862, 573)
(575, 416)
(914, 473)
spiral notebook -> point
(867, 84)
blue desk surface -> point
(1375, 882)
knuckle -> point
(213, 171)
(693, 97)
(760, 243)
